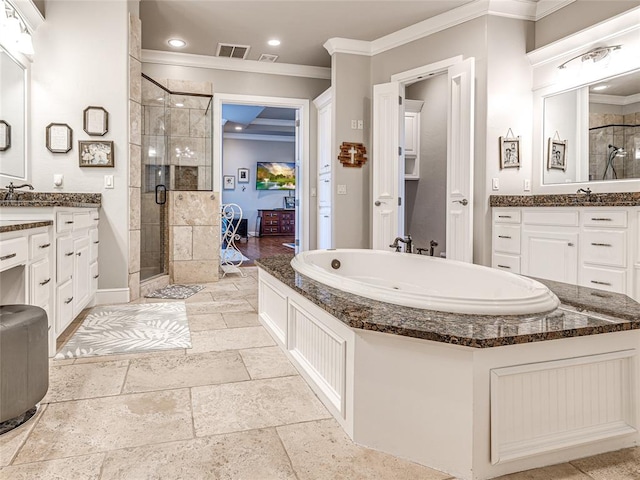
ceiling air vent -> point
(229, 50)
(267, 57)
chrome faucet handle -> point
(419, 250)
(586, 191)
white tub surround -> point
(60, 272)
(426, 386)
(421, 281)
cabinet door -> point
(411, 133)
(81, 281)
(324, 139)
(324, 190)
(552, 255)
(324, 228)
(64, 306)
(64, 260)
(40, 274)
(93, 270)
(95, 241)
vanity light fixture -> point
(177, 43)
(595, 55)
(13, 29)
(274, 42)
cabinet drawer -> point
(40, 274)
(94, 241)
(506, 215)
(506, 238)
(605, 247)
(39, 245)
(604, 218)
(609, 279)
(64, 222)
(508, 263)
(82, 220)
(542, 216)
(13, 252)
(64, 260)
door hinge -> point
(297, 202)
(399, 201)
(399, 151)
(399, 100)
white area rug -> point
(117, 329)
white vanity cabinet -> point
(596, 247)
(412, 139)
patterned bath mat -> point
(117, 329)
(175, 292)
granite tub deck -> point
(16, 225)
(624, 199)
(51, 199)
(584, 311)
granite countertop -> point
(584, 311)
(625, 199)
(52, 199)
(15, 225)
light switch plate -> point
(527, 185)
(342, 189)
(360, 124)
(108, 181)
(313, 191)
(495, 183)
(354, 124)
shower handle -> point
(161, 199)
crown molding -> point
(517, 9)
(234, 64)
(29, 13)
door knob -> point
(464, 202)
(377, 203)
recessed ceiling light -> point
(238, 127)
(597, 88)
(176, 42)
(179, 104)
(274, 42)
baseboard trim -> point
(106, 296)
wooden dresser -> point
(277, 222)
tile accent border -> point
(135, 167)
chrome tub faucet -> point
(408, 244)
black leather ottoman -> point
(24, 359)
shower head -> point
(617, 151)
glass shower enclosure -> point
(177, 154)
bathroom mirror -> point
(13, 76)
(599, 124)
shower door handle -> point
(161, 194)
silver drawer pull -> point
(68, 254)
(504, 236)
(601, 219)
(96, 219)
(504, 216)
(7, 257)
(68, 222)
(79, 254)
(505, 266)
(96, 242)
(46, 245)
(44, 282)
(601, 244)
(96, 276)
(570, 244)
(597, 282)
(68, 300)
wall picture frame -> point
(289, 202)
(557, 155)
(96, 153)
(243, 175)
(5, 136)
(59, 138)
(509, 152)
(228, 182)
(95, 121)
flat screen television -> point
(276, 176)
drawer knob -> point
(505, 266)
(68, 300)
(504, 236)
(7, 257)
(600, 219)
(68, 254)
(44, 282)
(597, 282)
(46, 245)
(79, 254)
(504, 216)
(96, 276)
(595, 244)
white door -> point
(388, 128)
(460, 161)
(298, 216)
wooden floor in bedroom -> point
(257, 247)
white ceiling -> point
(301, 25)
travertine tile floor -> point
(231, 407)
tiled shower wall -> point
(614, 129)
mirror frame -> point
(25, 63)
(546, 83)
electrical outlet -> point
(495, 183)
(354, 124)
(360, 124)
(342, 189)
(313, 191)
(527, 185)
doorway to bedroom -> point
(261, 175)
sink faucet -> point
(11, 187)
(408, 244)
(586, 191)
